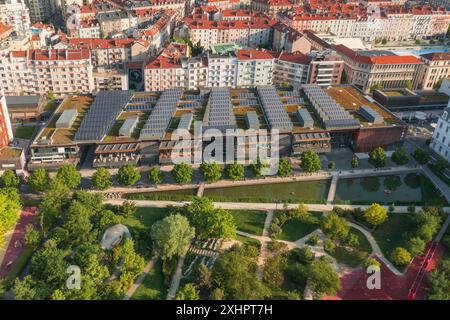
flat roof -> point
(23, 101)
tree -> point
(310, 161)
(329, 246)
(408, 84)
(376, 214)
(78, 223)
(9, 211)
(204, 276)
(39, 180)
(102, 179)
(331, 165)
(57, 295)
(69, 176)
(400, 156)
(211, 171)
(51, 95)
(49, 265)
(106, 219)
(234, 273)
(188, 292)
(25, 289)
(416, 246)
(335, 227)
(439, 280)
(377, 157)
(128, 208)
(171, 236)
(259, 168)
(235, 171)
(422, 156)
(128, 175)
(32, 236)
(155, 175)
(182, 173)
(284, 167)
(221, 225)
(273, 270)
(384, 41)
(355, 162)
(400, 256)
(9, 179)
(376, 86)
(322, 279)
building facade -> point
(440, 142)
(435, 68)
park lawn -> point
(295, 228)
(353, 258)
(389, 234)
(250, 221)
(249, 241)
(24, 132)
(364, 244)
(143, 218)
(18, 267)
(430, 195)
(152, 288)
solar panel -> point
(101, 116)
(159, 119)
(273, 108)
(186, 121)
(332, 115)
(219, 111)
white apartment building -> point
(39, 71)
(440, 142)
(435, 67)
(196, 72)
(222, 70)
(16, 14)
(89, 29)
(254, 68)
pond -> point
(294, 192)
(381, 189)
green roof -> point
(223, 48)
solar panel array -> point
(193, 97)
(101, 116)
(144, 99)
(248, 102)
(296, 100)
(159, 119)
(244, 95)
(186, 121)
(139, 107)
(193, 105)
(332, 115)
(219, 111)
(276, 115)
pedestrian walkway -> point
(140, 279)
(332, 190)
(176, 279)
(201, 189)
(438, 183)
(265, 240)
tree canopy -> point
(400, 256)
(376, 214)
(322, 279)
(155, 175)
(182, 173)
(284, 167)
(400, 156)
(188, 292)
(335, 227)
(310, 161)
(377, 157)
(69, 176)
(422, 156)
(39, 180)
(9, 179)
(102, 179)
(128, 175)
(235, 171)
(9, 211)
(211, 171)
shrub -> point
(329, 246)
(313, 240)
(400, 256)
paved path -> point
(141, 278)
(257, 206)
(201, 189)
(264, 242)
(441, 232)
(437, 182)
(176, 279)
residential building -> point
(435, 68)
(254, 68)
(88, 29)
(110, 80)
(271, 7)
(6, 133)
(16, 14)
(117, 23)
(40, 10)
(222, 70)
(291, 69)
(440, 141)
(289, 40)
(5, 31)
(366, 69)
(326, 68)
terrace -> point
(64, 136)
(351, 100)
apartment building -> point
(16, 14)
(34, 72)
(6, 134)
(247, 33)
(291, 69)
(88, 29)
(440, 142)
(117, 22)
(271, 7)
(435, 67)
(5, 31)
(222, 70)
(166, 70)
(40, 10)
(326, 69)
(197, 72)
(368, 68)
(254, 68)
(289, 40)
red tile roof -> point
(394, 59)
(253, 54)
(98, 43)
(437, 56)
(298, 58)
(60, 54)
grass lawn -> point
(152, 288)
(24, 132)
(249, 241)
(295, 228)
(145, 217)
(389, 235)
(250, 221)
(352, 258)
(430, 195)
(19, 265)
(51, 105)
